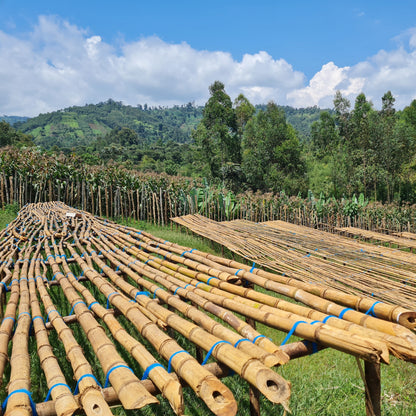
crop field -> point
(105, 318)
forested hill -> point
(78, 126)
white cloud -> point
(59, 65)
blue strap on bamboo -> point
(154, 293)
(107, 378)
(24, 313)
(118, 267)
(55, 385)
(108, 298)
(187, 285)
(141, 293)
(92, 303)
(54, 276)
(257, 337)
(198, 284)
(149, 369)
(5, 286)
(238, 271)
(75, 304)
(371, 310)
(38, 317)
(174, 293)
(327, 317)
(253, 267)
(212, 349)
(170, 359)
(292, 330)
(32, 403)
(212, 277)
(341, 315)
(241, 340)
(9, 317)
(52, 310)
(81, 378)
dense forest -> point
(350, 149)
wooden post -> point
(373, 389)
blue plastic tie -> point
(118, 267)
(293, 329)
(170, 359)
(253, 267)
(32, 403)
(92, 303)
(174, 293)
(81, 378)
(198, 284)
(212, 349)
(154, 293)
(257, 337)
(341, 315)
(8, 317)
(38, 317)
(187, 285)
(108, 298)
(147, 261)
(54, 276)
(238, 271)
(5, 286)
(24, 313)
(241, 340)
(53, 310)
(141, 293)
(55, 385)
(107, 378)
(371, 310)
(75, 304)
(149, 369)
(213, 277)
(327, 317)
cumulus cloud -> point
(387, 70)
(58, 64)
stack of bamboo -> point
(310, 255)
(55, 259)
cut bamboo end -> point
(94, 404)
(274, 387)
(218, 397)
(65, 405)
(173, 393)
(136, 397)
(407, 319)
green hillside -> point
(79, 126)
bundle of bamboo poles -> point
(310, 255)
(56, 259)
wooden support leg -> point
(373, 389)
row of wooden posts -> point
(158, 204)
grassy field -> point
(327, 383)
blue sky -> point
(59, 53)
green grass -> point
(327, 383)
